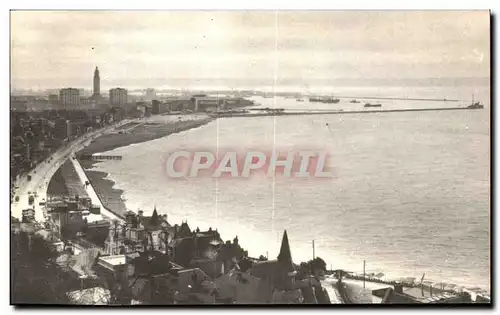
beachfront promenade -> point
(43, 172)
(92, 194)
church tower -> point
(97, 83)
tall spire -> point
(285, 255)
(97, 82)
(154, 217)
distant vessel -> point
(354, 101)
(300, 100)
(373, 105)
(476, 105)
(324, 100)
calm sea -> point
(410, 192)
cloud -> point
(302, 45)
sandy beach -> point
(149, 129)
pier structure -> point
(283, 112)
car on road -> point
(17, 198)
(31, 200)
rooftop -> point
(416, 293)
(114, 260)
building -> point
(158, 107)
(204, 103)
(279, 274)
(150, 94)
(69, 98)
(53, 98)
(242, 288)
(139, 233)
(18, 105)
(28, 216)
(69, 129)
(97, 84)
(89, 102)
(118, 96)
(61, 129)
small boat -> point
(300, 100)
(373, 105)
(354, 101)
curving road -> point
(43, 172)
(93, 195)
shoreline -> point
(104, 187)
(112, 197)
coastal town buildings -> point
(53, 98)
(69, 98)
(158, 107)
(117, 97)
(278, 274)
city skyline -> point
(227, 49)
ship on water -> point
(373, 105)
(354, 101)
(324, 100)
(475, 105)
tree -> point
(304, 270)
(245, 264)
(317, 264)
(312, 267)
(35, 278)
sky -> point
(242, 48)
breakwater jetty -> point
(399, 98)
(276, 112)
